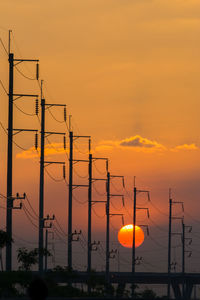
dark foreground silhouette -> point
(38, 289)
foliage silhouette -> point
(29, 258)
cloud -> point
(138, 141)
(135, 142)
(50, 149)
(185, 147)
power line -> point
(97, 215)
(29, 218)
(3, 87)
(49, 110)
(12, 141)
(32, 207)
(25, 76)
(22, 111)
(30, 214)
(53, 178)
(4, 47)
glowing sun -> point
(125, 236)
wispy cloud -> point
(185, 147)
(138, 141)
(50, 149)
(135, 142)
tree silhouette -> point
(4, 240)
(28, 258)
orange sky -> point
(128, 71)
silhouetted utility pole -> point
(44, 163)
(91, 246)
(171, 217)
(135, 191)
(108, 228)
(47, 226)
(134, 223)
(184, 227)
(12, 63)
(46, 248)
(70, 200)
(108, 252)
(70, 195)
(169, 244)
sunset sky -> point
(128, 71)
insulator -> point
(36, 107)
(148, 231)
(63, 171)
(123, 201)
(36, 141)
(37, 71)
(65, 114)
(64, 142)
(89, 145)
(123, 183)
(107, 165)
(149, 197)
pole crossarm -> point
(99, 179)
(145, 191)
(54, 132)
(82, 136)
(21, 130)
(100, 158)
(121, 215)
(22, 60)
(75, 161)
(178, 218)
(53, 162)
(179, 202)
(74, 186)
(144, 208)
(18, 96)
(98, 201)
(119, 176)
(50, 105)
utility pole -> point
(183, 257)
(169, 244)
(135, 191)
(134, 224)
(12, 63)
(108, 214)
(46, 248)
(70, 194)
(89, 212)
(42, 166)
(41, 195)
(90, 202)
(108, 229)
(170, 236)
(47, 226)
(70, 201)
(9, 164)
(133, 247)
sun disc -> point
(125, 236)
